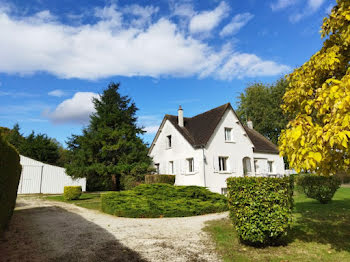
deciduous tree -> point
(317, 139)
(261, 103)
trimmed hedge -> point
(321, 188)
(156, 179)
(162, 200)
(10, 172)
(72, 192)
(261, 208)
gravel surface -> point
(43, 230)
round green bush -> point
(260, 208)
(163, 200)
(321, 188)
(72, 192)
(10, 172)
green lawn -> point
(87, 200)
(320, 233)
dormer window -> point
(228, 134)
(169, 141)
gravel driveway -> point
(53, 231)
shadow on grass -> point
(55, 234)
(323, 223)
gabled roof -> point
(198, 130)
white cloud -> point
(248, 65)
(328, 9)
(314, 5)
(282, 4)
(112, 45)
(151, 129)
(237, 22)
(208, 20)
(150, 123)
(57, 92)
(74, 110)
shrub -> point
(321, 188)
(162, 200)
(72, 192)
(155, 179)
(344, 177)
(261, 208)
(129, 182)
(10, 171)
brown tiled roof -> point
(197, 130)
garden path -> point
(44, 230)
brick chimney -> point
(180, 114)
(250, 124)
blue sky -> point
(56, 55)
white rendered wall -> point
(38, 177)
(178, 153)
(262, 163)
(235, 151)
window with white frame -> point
(157, 168)
(223, 163)
(171, 167)
(168, 145)
(224, 191)
(228, 134)
(190, 165)
(270, 166)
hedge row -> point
(321, 188)
(72, 192)
(156, 179)
(10, 171)
(162, 200)
(261, 208)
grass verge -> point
(87, 200)
(319, 233)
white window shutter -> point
(196, 164)
(216, 163)
(183, 166)
(232, 165)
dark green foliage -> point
(72, 192)
(40, 147)
(261, 208)
(271, 120)
(37, 146)
(344, 177)
(154, 179)
(321, 188)
(162, 200)
(110, 147)
(10, 171)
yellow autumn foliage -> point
(318, 138)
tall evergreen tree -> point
(40, 147)
(15, 137)
(110, 147)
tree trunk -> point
(114, 183)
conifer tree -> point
(110, 148)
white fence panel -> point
(30, 180)
(38, 177)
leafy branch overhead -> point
(317, 140)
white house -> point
(38, 177)
(206, 149)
